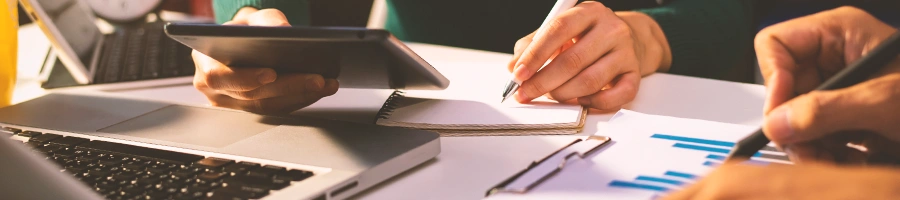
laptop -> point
(127, 54)
(120, 148)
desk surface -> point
(468, 166)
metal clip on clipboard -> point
(540, 171)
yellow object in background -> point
(9, 24)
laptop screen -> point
(75, 23)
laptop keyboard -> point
(142, 53)
(122, 171)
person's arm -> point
(296, 11)
(803, 181)
(707, 38)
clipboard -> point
(539, 171)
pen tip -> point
(502, 100)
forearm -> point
(707, 38)
(651, 45)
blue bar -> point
(694, 140)
(711, 164)
(715, 157)
(680, 174)
(701, 148)
(707, 149)
(623, 184)
(659, 180)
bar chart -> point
(715, 153)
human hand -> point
(258, 90)
(798, 55)
(598, 57)
(807, 181)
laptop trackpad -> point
(192, 125)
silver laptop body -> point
(344, 158)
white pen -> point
(558, 8)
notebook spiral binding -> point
(390, 104)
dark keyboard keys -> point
(140, 152)
(44, 138)
(299, 175)
(236, 193)
(250, 183)
(11, 130)
(211, 176)
(68, 141)
(47, 150)
(266, 171)
(160, 168)
(240, 167)
(121, 171)
(29, 134)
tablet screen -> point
(75, 24)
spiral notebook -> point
(463, 117)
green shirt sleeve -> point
(708, 38)
(296, 11)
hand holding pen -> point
(596, 56)
(851, 61)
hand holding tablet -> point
(269, 67)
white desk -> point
(468, 166)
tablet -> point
(356, 57)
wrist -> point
(651, 46)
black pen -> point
(857, 72)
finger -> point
(779, 89)
(867, 106)
(217, 76)
(590, 80)
(285, 85)
(623, 91)
(240, 18)
(268, 17)
(780, 48)
(570, 64)
(518, 49)
(560, 30)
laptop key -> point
(236, 193)
(44, 138)
(211, 176)
(212, 163)
(299, 175)
(250, 183)
(266, 171)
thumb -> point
(268, 17)
(815, 115)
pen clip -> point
(539, 171)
